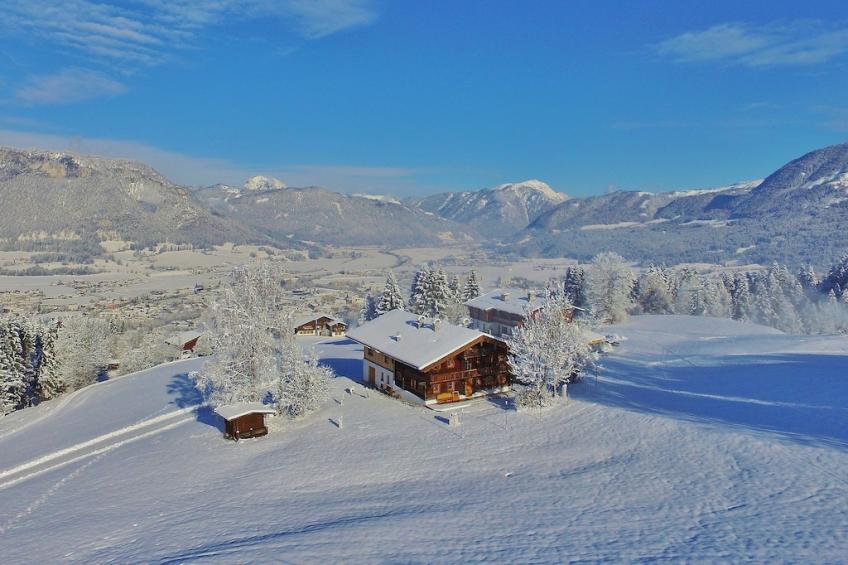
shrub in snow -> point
(302, 385)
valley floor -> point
(702, 440)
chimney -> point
(421, 319)
(505, 296)
(437, 322)
(398, 336)
(530, 295)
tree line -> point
(800, 303)
(433, 293)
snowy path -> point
(101, 444)
(86, 414)
(703, 441)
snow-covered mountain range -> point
(64, 199)
(789, 216)
(498, 211)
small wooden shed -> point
(244, 420)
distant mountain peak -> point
(260, 183)
(534, 185)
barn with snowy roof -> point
(430, 361)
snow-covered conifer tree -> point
(653, 293)
(455, 287)
(808, 280)
(717, 298)
(391, 298)
(28, 360)
(837, 278)
(12, 377)
(471, 288)
(369, 309)
(741, 297)
(610, 282)
(418, 299)
(49, 372)
(574, 286)
(440, 296)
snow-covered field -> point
(703, 440)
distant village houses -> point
(319, 325)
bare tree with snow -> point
(245, 322)
(547, 350)
(255, 351)
(610, 282)
(84, 346)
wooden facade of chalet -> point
(476, 369)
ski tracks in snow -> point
(94, 447)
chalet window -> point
(468, 365)
(437, 388)
(451, 386)
(449, 363)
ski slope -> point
(701, 440)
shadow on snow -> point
(186, 395)
(800, 397)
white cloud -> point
(146, 32)
(802, 42)
(122, 37)
(67, 86)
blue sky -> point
(409, 97)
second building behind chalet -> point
(431, 362)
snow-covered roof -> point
(511, 300)
(398, 335)
(183, 337)
(232, 411)
(306, 318)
